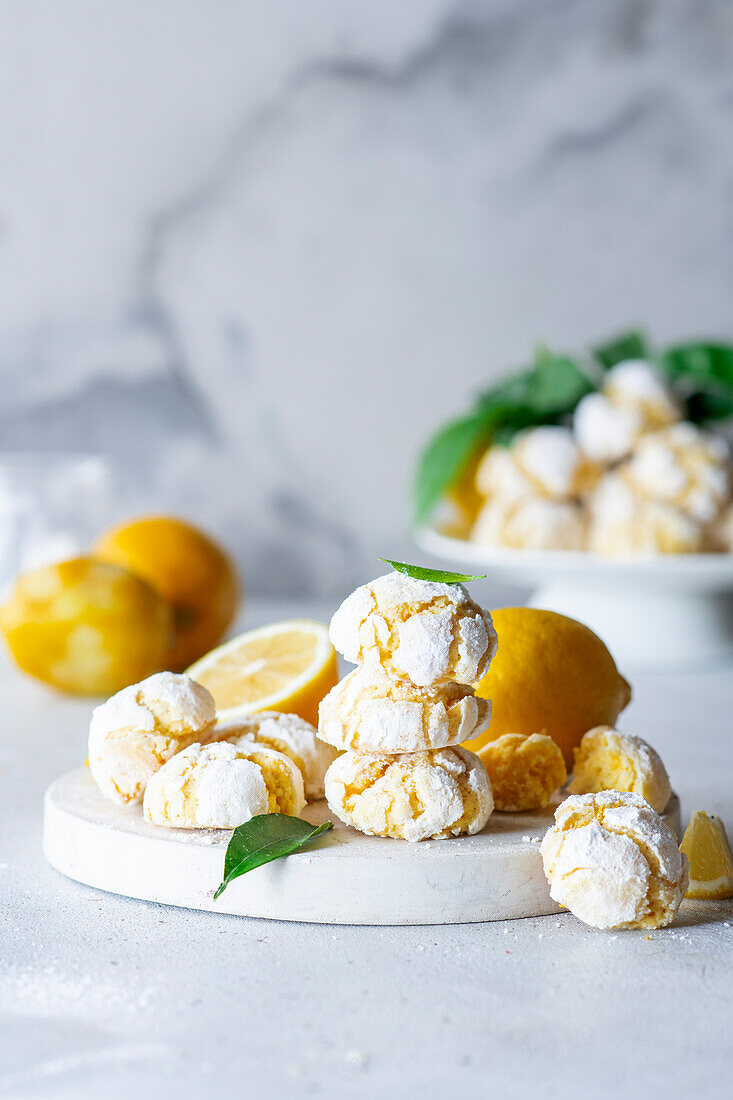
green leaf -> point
(630, 345)
(542, 395)
(445, 458)
(552, 388)
(703, 374)
(700, 360)
(512, 393)
(558, 384)
(701, 407)
(264, 838)
(421, 573)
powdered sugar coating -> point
(372, 712)
(137, 730)
(623, 522)
(552, 458)
(635, 399)
(287, 733)
(220, 786)
(544, 462)
(636, 383)
(683, 466)
(423, 631)
(613, 862)
(609, 760)
(206, 786)
(606, 432)
(499, 475)
(533, 523)
(413, 796)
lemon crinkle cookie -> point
(635, 399)
(532, 523)
(624, 522)
(685, 467)
(373, 712)
(288, 734)
(137, 730)
(524, 770)
(220, 786)
(611, 860)
(609, 760)
(411, 796)
(424, 631)
(545, 462)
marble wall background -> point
(255, 251)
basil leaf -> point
(445, 458)
(421, 573)
(630, 345)
(262, 839)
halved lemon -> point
(285, 666)
(711, 862)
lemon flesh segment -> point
(286, 666)
(711, 862)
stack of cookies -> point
(402, 714)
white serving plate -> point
(344, 878)
(669, 611)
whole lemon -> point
(551, 674)
(185, 566)
(86, 627)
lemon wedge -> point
(286, 666)
(711, 862)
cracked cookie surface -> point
(220, 786)
(423, 631)
(287, 733)
(372, 712)
(609, 760)
(611, 860)
(137, 730)
(412, 796)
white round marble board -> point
(343, 878)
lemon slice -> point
(711, 861)
(285, 666)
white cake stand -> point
(657, 613)
(344, 878)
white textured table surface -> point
(100, 995)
